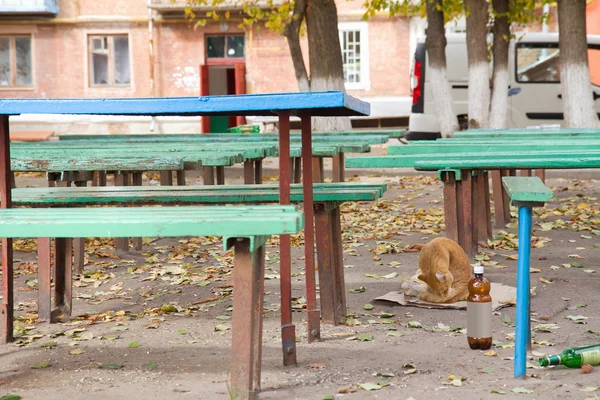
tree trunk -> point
(578, 103)
(292, 33)
(436, 51)
(500, 79)
(479, 82)
(325, 57)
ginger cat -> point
(446, 271)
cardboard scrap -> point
(502, 296)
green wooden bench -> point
(246, 229)
(327, 201)
(525, 193)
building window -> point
(15, 61)
(225, 46)
(109, 60)
(538, 63)
(355, 54)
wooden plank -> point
(343, 192)
(96, 164)
(331, 103)
(487, 147)
(543, 161)
(527, 189)
(234, 221)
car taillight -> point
(416, 92)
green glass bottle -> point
(574, 357)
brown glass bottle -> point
(479, 312)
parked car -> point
(534, 90)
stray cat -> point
(445, 270)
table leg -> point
(208, 175)
(331, 282)
(44, 272)
(450, 205)
(136, 180)
(166, 178)
(313, 313)
(248, 172)
(7, 305)
(63, 248)
(288, 330)
(258, 171)
(337, 170)
(247, 319)
(467, 229)
(541, 173)
(122, 179)
(297, 169)
(180, 177)
(220, 175)
(522, 317)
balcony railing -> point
(28, 7)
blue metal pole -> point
(522, 323)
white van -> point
(534, 91)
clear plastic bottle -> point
(479, 311)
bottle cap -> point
(478, 269)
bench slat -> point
(525, 189)
(229, 221)
(96, 164)
(341, 192)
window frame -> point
(363, 28)
(541, 45)
(224, 60)
(110, 50)
(12, 51)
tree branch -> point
(292, 33)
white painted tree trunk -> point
(442, 99)
(479, 95)
(326, 124)
(577, 96)
(499, 106)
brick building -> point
(145, 48)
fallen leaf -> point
(49, 345)
(498, 391)
(522, 390)
(369, 386)
(368, 307)
(365, 337)
(346, 389)
(150, 365)
(361, 289)
(134, 345)
(579, 319)
(75, 352)
(110, 366)
(545, 280)
(182, 331)
(491, 353)
(534, 270)
(11, 397)
(414, 324)
(43, 364)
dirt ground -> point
(156, 324)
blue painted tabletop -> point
(319, 104)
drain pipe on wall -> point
(151, 55)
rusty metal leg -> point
(247, 320)
(7, 303)
(136, 180)
(180, 177)
(208, 175)
(498, 193)
(316, 169)
(79, 256)
(541, 173)
(467, 230)
(338, 172)
(332, 301)
(313, 314)
(44, 262)
(338, 263)
(258, 171)
(12, 180)
(122, 179)
(166, 178)
(62, 277)
(506, 197)
(288, 330)
(479, 206)
(248, 172)
(220, 175)
(450, 205)
(297, 169)
(487, 208)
